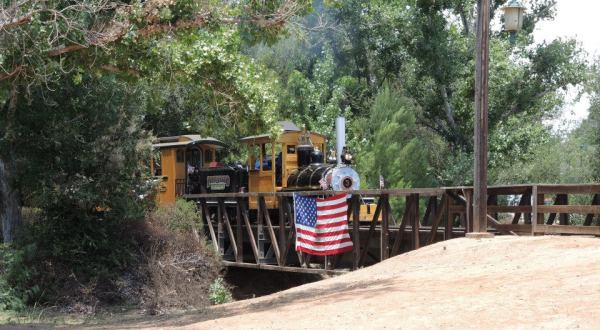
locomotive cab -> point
(271, 162)
(178, 163)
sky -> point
(577, 19)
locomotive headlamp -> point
(346, 156)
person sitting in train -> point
(278, 160)
(267, 163)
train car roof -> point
(185, 140)
(286, 126)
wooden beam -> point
(405, 219)
(441, 210)
(415, 221)
(251, 238)
(518, 228)
(468, 193)
(267, 218)
(518, 209)
(211, 230)
(356, 230)
(590, 216)
(284, 268)
(385, 228)
(561, 229)
(569, 189)
(579, 209)
(239, 233)
(225, 218)
(371, 231)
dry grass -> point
(179, 266)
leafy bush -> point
(183, 216)
(218, 292)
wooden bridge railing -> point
(403, 219)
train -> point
(293, 161)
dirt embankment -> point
(547, 282)
(504, 282)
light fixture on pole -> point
(513, 18)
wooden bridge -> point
(403, 220)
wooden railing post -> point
(415, 221)
(220, 231)
(385, 240)
(355, 202)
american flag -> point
(322, 225)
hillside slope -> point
(551, 282)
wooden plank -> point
(251, 238)
(509, 209)
(385, 228)
(518, 228)
(590, 216)
(579, 209)
(569, 189)
(536, 200)
(468, 193)
(356, 230)
(280, 201)
(211, 230)
(561, 229)
(438, 218)
(374, 222)
(239, 233)
(364, 193)
(525, 200)
(267, 219)
(449, 221)
(220, 231)
(400, 233)
(225, 218)
(430, 210)
(317, 271)
(492, 202)
(415, 222)
(564, 217)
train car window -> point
(179, 155)
(253, 157)
(208, 155)
(278, 164)
(291, 149)
(267, 152)
(194, 158)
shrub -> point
(183, 216)
(218, 292)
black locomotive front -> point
(314, 174)
(225, 179)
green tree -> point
(42, 43)
(397, 149)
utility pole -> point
(481, 118)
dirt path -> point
(544, 282)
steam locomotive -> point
(294, 161)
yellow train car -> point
(177, 159)
(270, 161)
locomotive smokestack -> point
(340, 137)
